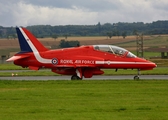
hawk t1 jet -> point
(79, 62)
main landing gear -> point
(78, 75)
(136, 77)
(75, 77)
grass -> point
(10, 67)
(155, 71)
(84, 100)
(29, 73)
(149, 41)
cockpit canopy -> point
(114, 50)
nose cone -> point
(145, 64)
(152, 64)
(148, 65)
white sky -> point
(80, 12)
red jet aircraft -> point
(82, 61)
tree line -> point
(116, 29)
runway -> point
(102, 77)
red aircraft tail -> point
(28, 42)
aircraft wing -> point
(13, 58)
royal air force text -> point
(77, 62)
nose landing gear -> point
(136, 77)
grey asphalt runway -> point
(102, 77)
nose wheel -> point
(136, 77)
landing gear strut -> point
(136, 77)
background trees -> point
(66, 44)
(107, 29)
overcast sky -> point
(80, 12)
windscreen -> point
(111, 49)
(131, 55)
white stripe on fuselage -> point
(35, 51)
(118, 62)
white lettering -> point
(87, 61)
(66, 61)
(62, 61)
(78, 62)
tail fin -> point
(28, 42)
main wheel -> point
(75, 77)
(136, 77)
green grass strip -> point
(84, 100)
